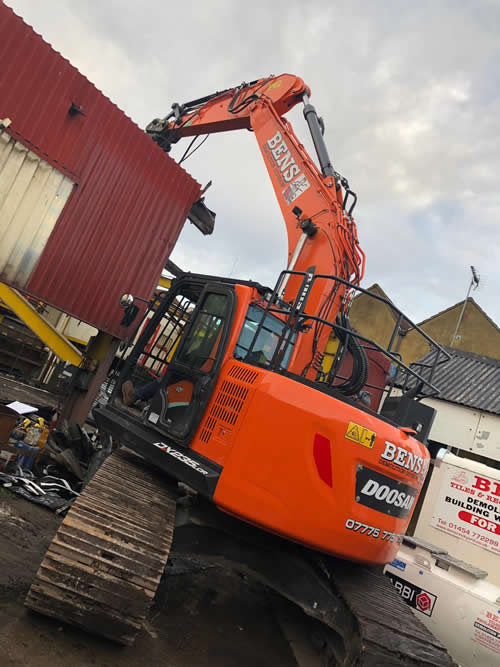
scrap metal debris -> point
(50, 470)
(51, 491)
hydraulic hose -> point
(359, 374)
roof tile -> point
(469, 379)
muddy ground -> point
(204, 618)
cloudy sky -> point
(410, 95)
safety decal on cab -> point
(414, 596)
(361, 435)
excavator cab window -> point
(199, 349)
(267, 340)
(192, 371)
(160, 335)
(178, 356)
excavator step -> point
(104, 565)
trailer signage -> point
(468, 507)
(486, 631)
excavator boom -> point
(322, 235)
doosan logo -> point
(283, 157)
(384, 494)
(390, 496)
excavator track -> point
(356, 616)
(104, 565)
(385, 630)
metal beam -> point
(52, 338)
(173, 268)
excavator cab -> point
(183, 343)
(178, 355)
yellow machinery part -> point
(164, 282)
(54, 340)
(330, 352)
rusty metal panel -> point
(130, 200)
(32, 196)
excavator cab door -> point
(182, 350)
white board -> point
(468, 507)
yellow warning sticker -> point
(274, 84)
(360, 434)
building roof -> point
(459, 305)
(405, 324)
(470, 380)
(376, 289)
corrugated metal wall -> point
(32, 196)
(130, 201)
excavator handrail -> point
(297, 317)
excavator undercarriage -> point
(104, 565)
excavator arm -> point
(322, 236)
(227, 109)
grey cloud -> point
(409, 94)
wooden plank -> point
(94, 563)
(107, 512)
(123, 490)
(62, 605)
(111, 592)
(95, 560)
(113, 533)
(12, 390)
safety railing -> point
(416, 376)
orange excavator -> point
(242, 436)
